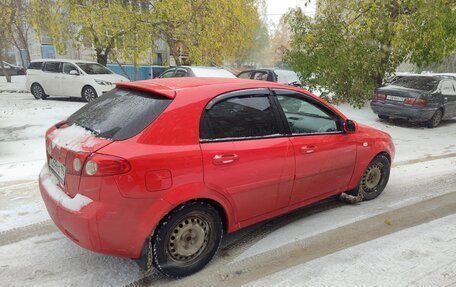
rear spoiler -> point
(148, 86)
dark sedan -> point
(12, 70)
(428, 99)
(286, 77)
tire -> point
(436, 119)
(38, 91)
(383, 117)
(374, 179)
(89, 94)
(187, 239)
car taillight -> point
(415, 102)
(104, 165)
(379, 97)
(74, 162)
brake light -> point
(74, 162)
(415, 102)
(104, 165)
(379, 97)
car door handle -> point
(308, 149)
(225, 158)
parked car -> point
(286, 77)
(196, 71)
(12, 70)
(428, 99)
(70, 78)
(163, 168)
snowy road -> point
(405, 237)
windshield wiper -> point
(87, 128)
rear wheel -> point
(187, 239)
(89, 94)
(38, 91)
(383, 117)
(436, 119)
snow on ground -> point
(51, 259)
(411, 140)
(23, 123)
(17, 84)
(434, 178)
(423, 255)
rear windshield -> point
(120, 114)
(417, 83)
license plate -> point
(58, 169)
(395, 98)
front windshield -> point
(93, 68)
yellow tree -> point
(6, 19)
(109, 27)
(208, 31)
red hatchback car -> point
(159, 170)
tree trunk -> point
(5, 72)
(102, 58)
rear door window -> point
(120, 114)
(53, 67)
(245, 75)
(260, 75)
(239, 118)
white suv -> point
(69, 78)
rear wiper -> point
(87, 128)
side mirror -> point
(74, 73)
(350, 126)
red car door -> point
(325, 155)
(245, 154)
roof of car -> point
(168, 86)
(62, 60)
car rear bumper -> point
(412, 113)
(75, 218)
(116, 226)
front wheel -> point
(383, 117)
(38, 91)
(89, 94)
(372, 182)
(187, 239)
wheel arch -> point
(87, 86)
(142, 260)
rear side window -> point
(35, 65)
(120, 114)
(239, 117)
(53, 67)
(417, 83)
